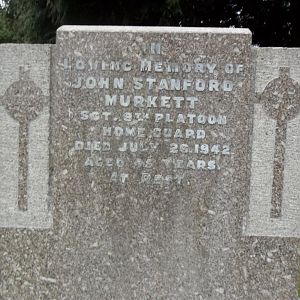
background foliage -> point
(273, 22)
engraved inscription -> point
(153, 128)
(155, 48)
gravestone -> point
(168, 168)
(24, 122)
(275, 209)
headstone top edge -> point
(26, 45)
(277, 48)
(153, 29)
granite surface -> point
(24, 135)
(156, 190)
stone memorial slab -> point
(272, 220)
(275, 189)
(24, 148)
(25, 204)
(150, 135)
(162, 163)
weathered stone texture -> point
(161, 167)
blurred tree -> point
(273, 22)
(29, 20)
(6, 34)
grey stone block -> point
(162, 165)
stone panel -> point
(150, 131)
(24, 143)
